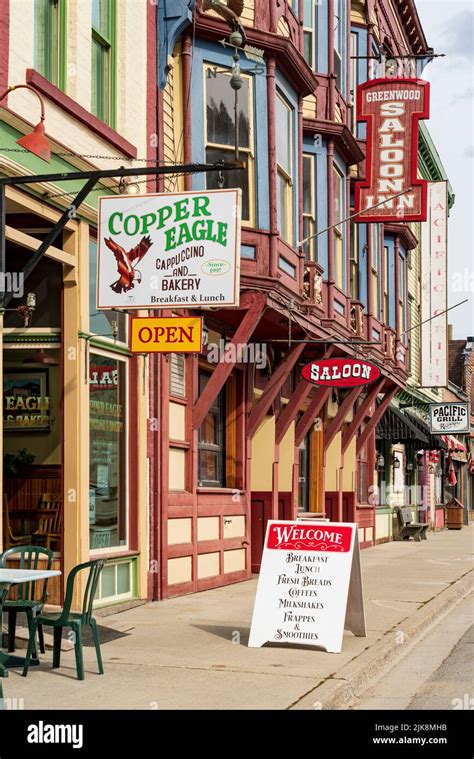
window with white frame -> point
(309, 32)
(338, 41)
(220, 132)
(354, 77)
(374, 231)
(284, 155)
(339, 215)
(309, 205)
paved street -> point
(191, 653)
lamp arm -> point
(25, 87)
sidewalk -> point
(191, 653)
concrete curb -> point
(340, 691)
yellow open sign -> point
(166, 335)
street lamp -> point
(36, 142)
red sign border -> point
(324, 383)
(415, 182)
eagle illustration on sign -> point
(128, 273)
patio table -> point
(9, 577)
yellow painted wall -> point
(350, 465)
(333, 460)
(263, 447)
(287, 460)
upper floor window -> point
(309, 32)
(375, 269)
(376, 67)
(402, 294)
(284, 156)
(354, 77)
(103, 60)
(211, 440)
(385, 286)
(309, 205)
(354, 259)
(50, 40)
(339, 215)
(220, 133)
(338, 41)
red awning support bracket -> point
(375, 418)
(289, 413)
(274, 385)
(243, 333)
(336, 424)
(361, 413)
(315, 406)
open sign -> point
(340, 372)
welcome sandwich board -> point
(310, 585)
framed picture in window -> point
(26, 401)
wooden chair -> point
(407, 528)
(49, 519)
(9, 537)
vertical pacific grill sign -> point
(340, 372)
(392, 109)
(434, 290)
(172, 249)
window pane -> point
(107, 480)
(308, 48)
(231, 178)
(308, 12)
(100, 16)
(282, 202)
(283, 134)
(220, 113)
(211, 441)
(308, 190)
(338, 197)
(100, 322)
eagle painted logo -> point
(128, 272)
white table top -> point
(12, 576)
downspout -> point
(188, 152)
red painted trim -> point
(82, 115)
(4, 43)
(315, 406)
(375, 418)
(273, 387)
(222, 371)
(336, 424)
(360, 414)
(414, 126)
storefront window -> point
(107, 480)
(211, 442)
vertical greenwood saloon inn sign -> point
(392, 109)
(169, 250)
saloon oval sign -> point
(340, 372)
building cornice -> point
(346, 143)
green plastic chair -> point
(29, 556)
(74, 620)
